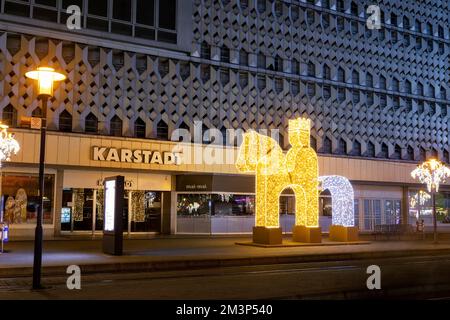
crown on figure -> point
(300, 124)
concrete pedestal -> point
(307, 234)
(343, 234)
(264, 235)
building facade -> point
(138, 70)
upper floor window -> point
(225, 54)
(147, 19)
(243, 57)
(115, 126)
(65, 121)
(340, 6)
(354, 9)
(162, 130)
(278, 64)
(9, 116)
(139, 128)
(91, 124)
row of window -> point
(397, 153)
(91, 126)
(309, 69)
(278, 83)
(146, 19)
(280, 8)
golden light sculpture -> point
(274, 172)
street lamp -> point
(45, 78)
(8, 146)
(432, 172)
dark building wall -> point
(256, 66)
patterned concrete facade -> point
(255, 64)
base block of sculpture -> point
(264, 235)
(307, 234)
(343, 234)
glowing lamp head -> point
(45, 77)
(299, 132)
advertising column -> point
(113, 229)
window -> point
(382, 82)
(295, 67)
(91, 124)
(65, 121)
(205, 72)
(225, 54)
(369, 80)
(419, 89)
(355, 96)
(394, 21)
(431, 91)
(9, 116)
(418, 45)
(406, 23)
(340, 24)
(162, 130)
(224, 76)
(311, 89)
(341, 75)
(383, 100)
(409, 153)
(369, 98)
(139, 128)
(406, 40)
(443, 94)
(428, 28)
(37, 112)
(325, 21)
(408, 86)
(122, 10)
(381, 35)
(356, 149)
(261, 6)
(167, 10)
(21, 199)
(355, 77)
(340, 6)
(342, 147)
(341, 95)
(261, 61)
(205, 51)
(370, 150)
(243, 79)
(418, 26)
(354, 9)
(294, 13)
(422, 154)
(295, 87)
(310, 17)
(243, 57)
(440, 32)
(163, 67)
(326, 92)
(326, 145)
(145, 12)
(354, 27)
(278, 85)
(311, 69)
(278, 64)
(278, 8)
(395, 85)
(261, 82)
(115, 126)
(420, 106)
(326, 73)
(394, 36)
(397, 152)
(430, 45)
(185, 70)
(384, 151)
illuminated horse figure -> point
(342, 200)
(275, 171)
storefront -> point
(166, 196)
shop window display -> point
(20, 198)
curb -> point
(185, 264)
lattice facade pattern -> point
(257, 64)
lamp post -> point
(432, 172)
(8, 146)
(45, 78)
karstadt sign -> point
(135, 156)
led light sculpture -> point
(275, 171)
(342, 198)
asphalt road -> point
(413, 278)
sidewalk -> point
(176, 253)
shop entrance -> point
(82, 210)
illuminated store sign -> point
(135, 156)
